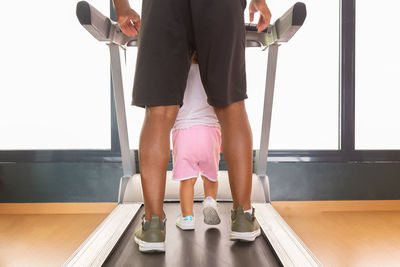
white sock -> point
(250, 211)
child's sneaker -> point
(210, 211)
(185, 223)
(151, 235)
(244, 225)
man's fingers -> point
(129, 22)
(128, 30)
(133, 26)
(137, 24)
(251, 13)
(265, 18)
(136, 21)
(125, 30)
(252, 10)
(262, 27)
(260, 22)
(266, 14)
(132, 29)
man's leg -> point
(237, 144)
(154, 149)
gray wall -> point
(98, 182)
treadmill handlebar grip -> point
(253, 28)
(299, 13)
(289, 23)
(93, 21)
(296, 15)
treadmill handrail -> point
(104, 29)
(100, 26)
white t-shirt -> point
(195, 109)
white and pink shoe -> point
(185, 223)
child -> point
(196, 140)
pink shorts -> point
(196, 150)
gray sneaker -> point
(151, 235)
(244, 226)
(210, 211)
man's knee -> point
(164, 114)
(236, 109)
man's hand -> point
(128, 20)
(265, 14)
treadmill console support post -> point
(128, 158)
(262, 153)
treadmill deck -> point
(207, 245)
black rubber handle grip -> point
(298, 13)
(93, 20)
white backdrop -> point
(377, 75)
(55, 78)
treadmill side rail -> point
(96, 248)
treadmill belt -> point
(207, 245)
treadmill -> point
(112, 242)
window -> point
(61, 100)
(55, 85)
(305, 109)
(377, 84)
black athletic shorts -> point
(171, 30)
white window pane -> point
(377, 75)
(55, 82)
(305, 110)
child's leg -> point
(210, 188)
(186, 195)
